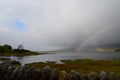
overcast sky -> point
(56, 24)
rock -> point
(1, 68)
(37, 74)
(112, 76)
(103, 76)
(28, 72)
(10, 70)
(83, 77)
(54, 75)
(63, 75)
(74, 75)
(14, 75)
(93, 76)
(23, 69)
(1, 71)
(118, 78)
(46, 73)
(4, 69)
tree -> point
(20, 47)
(5, 48)
(1, 49)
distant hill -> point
(114, 45)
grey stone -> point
(29, 71)
(1, 67)
(4, 69)
(46, 73)
(15, 73)
(83, 77)
(74, 75)
(63, 75)
(118, 78)
(103, 76)
(10, 70)
(112, 76)
(22, 70)
(1, 71)
(37, 74)
(93, 76)
(54, 75)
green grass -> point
(84, 66)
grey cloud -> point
(58, 23)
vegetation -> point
(117, 50)
(6, 50)
(20, 54)
(4, 59)
(84, 66)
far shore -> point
(21, 54)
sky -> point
(58, 24)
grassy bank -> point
(84, 66)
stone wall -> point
(11, 72)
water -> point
(67, 55)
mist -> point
(59, 24)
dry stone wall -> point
(11, 72)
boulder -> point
(28, 72)
(14, 75)
(10, 70)
(22, 70)
(4, 69)
(83, 77)
(1, 68)
(103, 76)
(112, 76)
(93, 76)
(46, 73)
(74, 75)
(63, 75)
(37, 74)
(54, 75)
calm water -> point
(67, 55)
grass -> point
(84, 66)
(20, 54)
(4, 59)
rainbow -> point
(92, 36)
